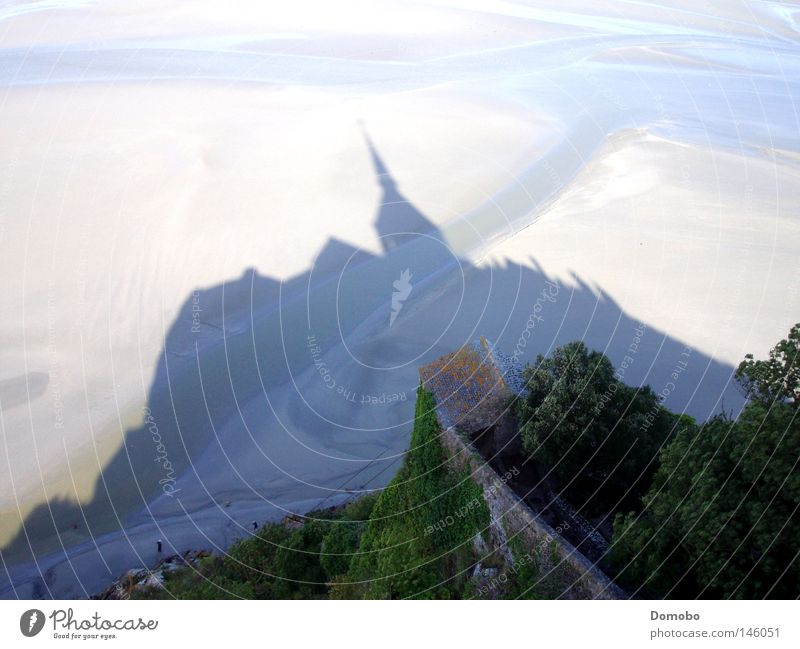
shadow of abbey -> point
(312, 383)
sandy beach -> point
(206, 215)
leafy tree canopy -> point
(778, 377)
(600, 437)
(721, 517)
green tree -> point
(298, 562)
(341, 543)
(778, 377)
(598, 435)
(721, 517)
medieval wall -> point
(566, 573)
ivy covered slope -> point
(414, 545)
(405, 542)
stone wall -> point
(566, 573)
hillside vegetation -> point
(721, 516)
(414, 539)
(707, 510)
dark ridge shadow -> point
(234, 348)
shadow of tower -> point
(242, 352)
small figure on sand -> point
(255, 526)
(158, 545)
